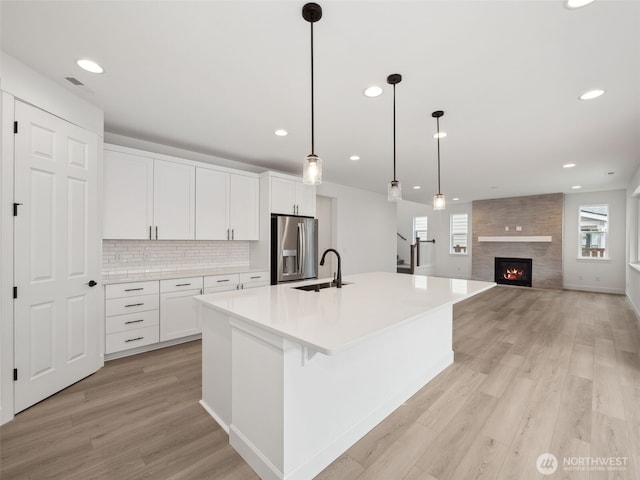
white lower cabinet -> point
(139, 314)
(132, 315)
(254, 279)
(178, 311)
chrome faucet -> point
(339, 278)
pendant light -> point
(438, 199)
(312, 170)
(394, 189)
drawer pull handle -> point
(220, 281)
(134, 305)
(134, 321)
(182, 284)
(134, 339)
(133, 289)
(257, 276)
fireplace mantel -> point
(516, 238)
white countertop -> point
(202, 272)
(333, 319)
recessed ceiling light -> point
(575, 187)
(89, 65)
(440, 135)
(568, 165)
(577, 3)
(281, 133)
(354, 157)
(372, 91)
(417, 187)
(455, 199)
(591, 94)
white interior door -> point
(57, 339)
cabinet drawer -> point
(254, 277)
(139, 337)
(141, 303)
(132, 321)
(226, 288)
(177, 285)
(255, 284)
(133, 289)
(222, 280)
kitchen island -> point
(296, 377)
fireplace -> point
(513, 271)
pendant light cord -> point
(438, 125)
(312, 109)
(394, 132)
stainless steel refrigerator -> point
(294, 248)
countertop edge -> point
(152, 276)
(333, 350)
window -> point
(420, 228)
(594, 228)
(459, 233)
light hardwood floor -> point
(535, 371)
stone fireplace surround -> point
(537, 215)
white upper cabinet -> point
(244, 207)
(128, 196)
(212, 199)
(227, 206)
(173, 201)
(305, 199)
(292, 197)
(147, 199)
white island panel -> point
(313, 372)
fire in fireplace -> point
(513, 271)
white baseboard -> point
(634, 307)
(214, 415)
(590, 288)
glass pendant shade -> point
(312, 170)
(438, 202)
(394, 191)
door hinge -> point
(15, 127)
(15, 209)
(15, 292)
(15, 374)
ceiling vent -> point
(74, 81)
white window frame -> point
(604, 235)
(464, 250)
(416, 221)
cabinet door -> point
(174, 201)
(283, 196)
(178, 315)
(306, 199)
(212, 208)
(244, 207)
(128, 196)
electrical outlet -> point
(506, 229)
(518, 228)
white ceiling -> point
(219, 77)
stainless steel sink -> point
(316, 287)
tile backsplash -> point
(140, 256)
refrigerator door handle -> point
(298, 248)
(303, 249)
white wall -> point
(19, 82)
(448, 264)
(365, 229)
(633, 242)
(606, 275)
